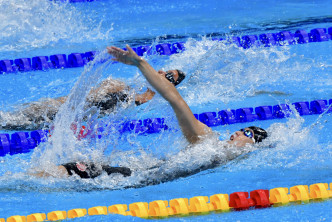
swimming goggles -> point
(170, 77)
(248, 134)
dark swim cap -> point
(182, 76)
(259, 133)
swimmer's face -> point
(170, 73)
(241, 138)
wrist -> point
(140, 62)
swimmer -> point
(193, 130)
(241, 138)
(106, 96)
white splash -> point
(218, 71)
(39, 23)
(64, 145)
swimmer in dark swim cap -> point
(249, 135)
(192, 129)
(242, 137)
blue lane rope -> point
(24, 142)
(73, 60)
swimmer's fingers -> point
(131, 51)
(114, 49)
(135, 58)
(127, 57)
(117, 53)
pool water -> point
(219, 76)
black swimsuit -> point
(90, 170)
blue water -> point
(219, 77)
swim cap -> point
(182, 75)
(259, 133)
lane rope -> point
(24, 142)
(198, 205)
(74, 60)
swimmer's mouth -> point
(232, 137)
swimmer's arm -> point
(190, 126)
(144, 97)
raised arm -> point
(190, 126)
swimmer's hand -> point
(127, 57)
